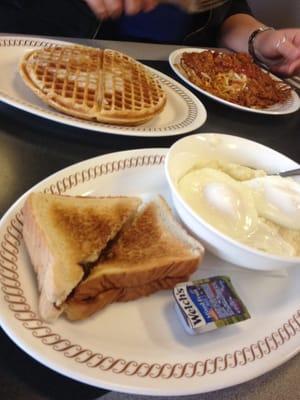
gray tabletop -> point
(32, 148)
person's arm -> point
(236, 30)
(277, 49)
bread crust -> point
(78, 310)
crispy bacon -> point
(234, 77)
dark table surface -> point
(31, 148)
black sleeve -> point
(238, 7)
(71, 18)
(206, 27)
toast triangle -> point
(151, 253)
(65, 235)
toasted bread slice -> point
(80, 309)
(93, 84)
(65, 235)
(151, 253)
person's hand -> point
(104, 9)
(279, 50)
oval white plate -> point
(140, 346)
(183, 112)
(290, 106)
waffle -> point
(93, 84)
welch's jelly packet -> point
(208, 303)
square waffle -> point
(93, 84)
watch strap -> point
(251, 41)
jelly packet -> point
(209, 303)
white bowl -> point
(184, 153)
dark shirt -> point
(73, 18)
(170, 24)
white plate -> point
(140, 346)
(183, 112)
(290, 106)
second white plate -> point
(140, 346)
(290, 106)
(183, 112)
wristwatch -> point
(251, 41)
